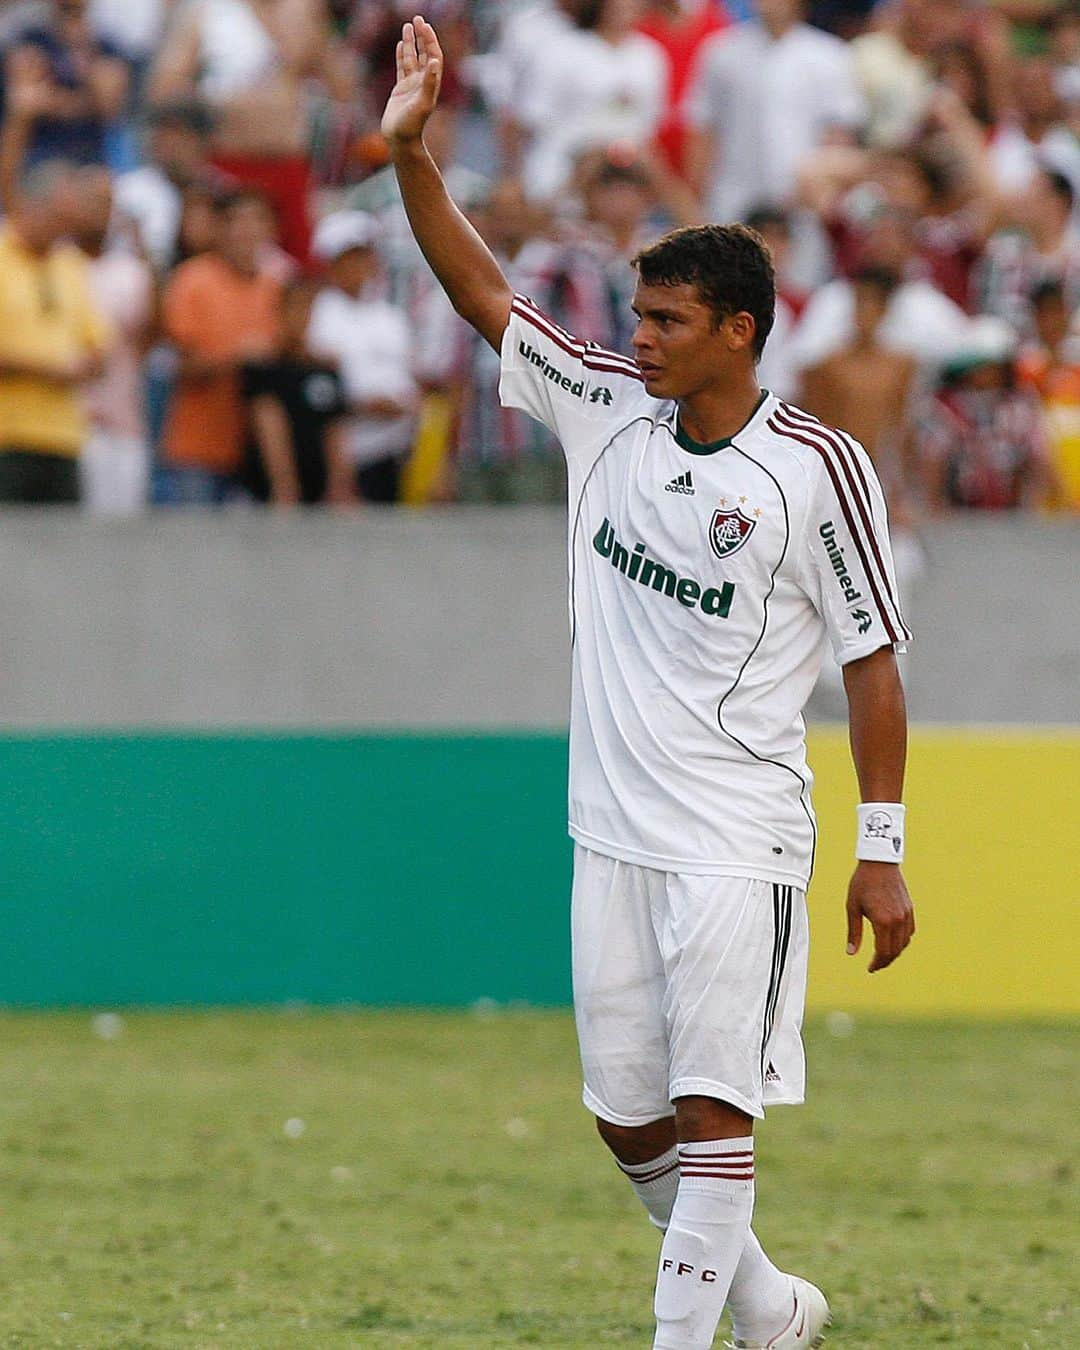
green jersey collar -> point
(711, 447)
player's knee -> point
(637, 1143)
(710, 1118)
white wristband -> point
(881, 832)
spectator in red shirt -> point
(680, 27)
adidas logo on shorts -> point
(684, 484)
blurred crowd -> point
(209, 293)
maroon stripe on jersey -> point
(526, 306)
(848, 459)
(651, 1176)
(593, 358)
(842, 443)
(839, 490)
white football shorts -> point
(686, 985)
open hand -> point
(419, 74)
(878, 893)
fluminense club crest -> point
(729, 531)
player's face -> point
(680, 347)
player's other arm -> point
(457, 255)
(877, 719)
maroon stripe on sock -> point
(651, 1176)
(719, 1157)
(721, 1176)
(698, 1167)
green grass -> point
(448, 1192)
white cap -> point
(343, 230)
(987, 341)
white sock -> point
(760, 1295)
(655, 1184)
(704, 1242)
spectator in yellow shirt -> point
(1052, 368)
(51, 341)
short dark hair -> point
(235, 195)
(1050, 288)
(729, 264)
(766, 216)
(1060, 186)
(882, 279)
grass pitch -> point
(392, 1180)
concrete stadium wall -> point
(441, 619)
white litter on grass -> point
(107, 1026)
(517, 1128)
(294, 1128)
(840, 1024)
(341, 1174)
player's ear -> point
(741, 330)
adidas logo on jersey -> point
(683, 483)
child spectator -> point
(220, 311)
(370, 342)
(297, 407)
(979, 441)
(1046, 246)
(176, 159)
(1051, 367)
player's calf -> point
(647, 1156)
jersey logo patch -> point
(683, 483)
(729, 531)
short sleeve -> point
(579, 391)
(846, 561)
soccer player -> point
(716, 536)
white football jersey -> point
(702, 581)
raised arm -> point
(457, 255)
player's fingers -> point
(408, 49)
(890, 939)
(854, 929)
(427, 38)
(884, 955)
(399, 60)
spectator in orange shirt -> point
(1051, 367)
(220, 311)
